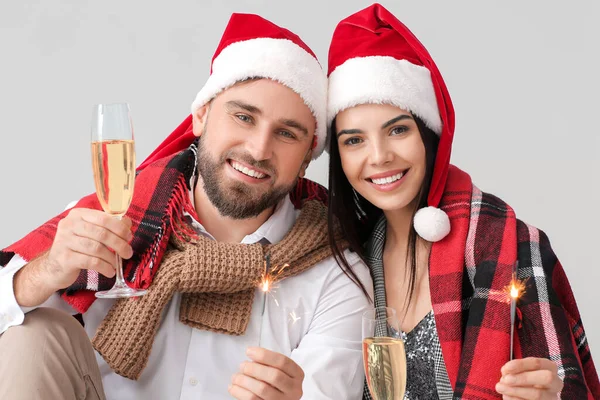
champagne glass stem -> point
(119, 279)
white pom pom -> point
(432, 224)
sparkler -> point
(266, 284)
(515, 290)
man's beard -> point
(239, 200)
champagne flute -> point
(384, 357)
(113, 162)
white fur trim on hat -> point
(384, 80)
(432, 224)
(280, 60)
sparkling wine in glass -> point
(384, 357)
(113, 163)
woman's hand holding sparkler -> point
(530, 378)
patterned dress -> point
(419, 345)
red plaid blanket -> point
(471, 304)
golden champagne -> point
(113, 162)
(385, 366)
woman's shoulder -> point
(533, 237)
(498, 211)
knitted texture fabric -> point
(218, 282)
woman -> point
(441, 252)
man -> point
(221, 198)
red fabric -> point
(446, 261)
(374, 31)
(181, 138)
(243, 27)
(469, 271)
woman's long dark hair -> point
(357, 217)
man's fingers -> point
(127, 222)
(240, 393)
(103, 236)
(90, 248)
(257, 387)
(93, 263)
(102, 267)
(120, 227)
(273, 376)
(541, 379)
(275, 360)
(528, 364)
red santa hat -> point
(375, 59)
(253, 47)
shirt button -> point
(193, 381)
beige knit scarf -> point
(218, 282)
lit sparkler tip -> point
(514, 292)
(515, 289)
(265, 285)
(271, 275)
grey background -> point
(522, 75)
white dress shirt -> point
(313, 318)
